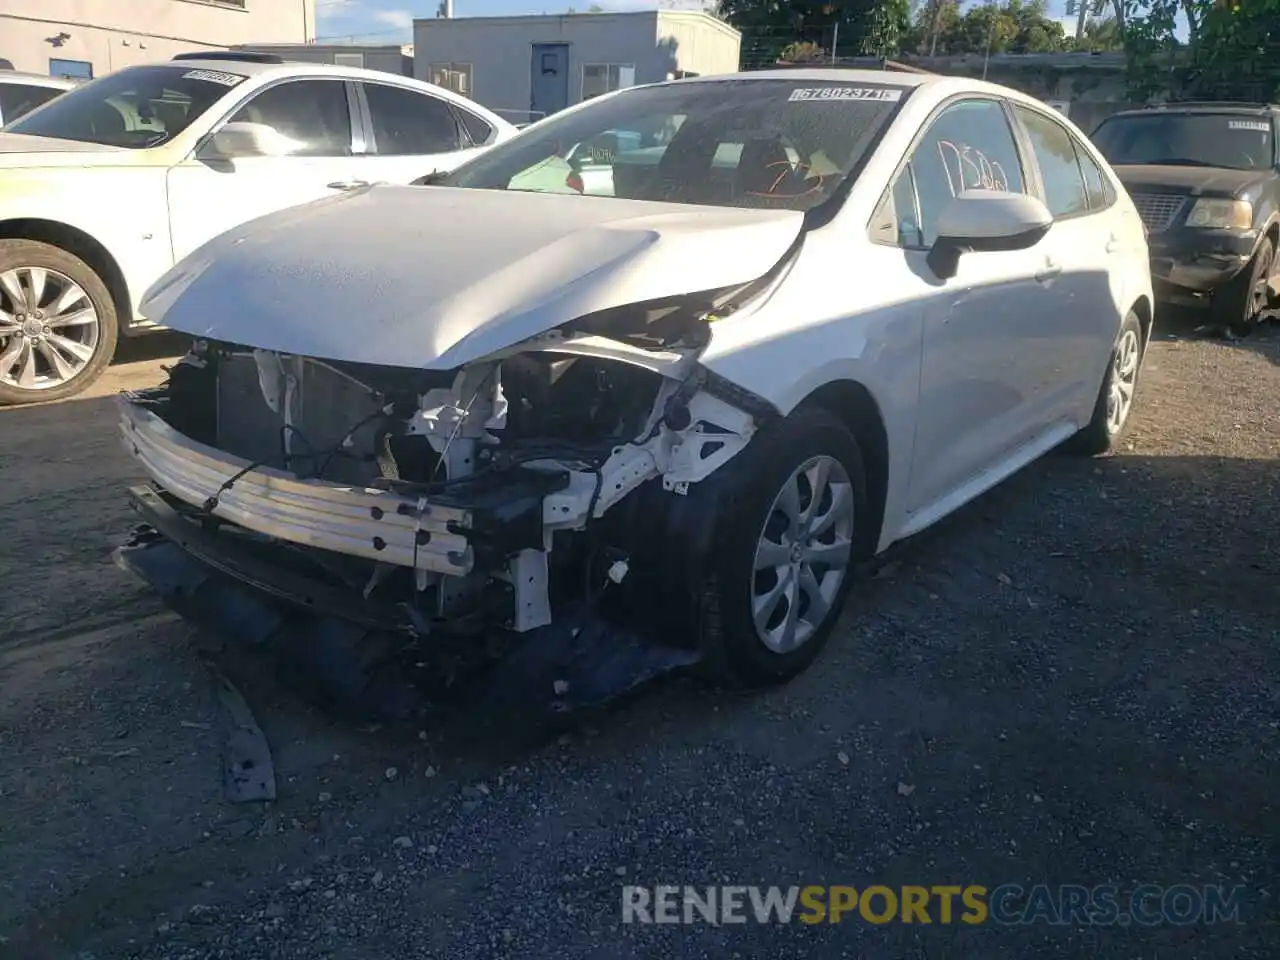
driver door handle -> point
(347, 184)
(1050, 270)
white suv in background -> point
(20, 93)
(108, 186)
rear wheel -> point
(57, 323)
(788, 541)
(1242, 303)
(1115, 397)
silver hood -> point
(435, 277)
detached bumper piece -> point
(366, 659)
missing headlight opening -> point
(454, 502)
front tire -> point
(1114, 405)
(1243, 303)
(58, 324)
(790, 533)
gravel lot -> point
(1074, 680)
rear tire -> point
(58, 324)
(1241, 304)
(1114, 406)
(784, 561)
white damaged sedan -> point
(803, 315)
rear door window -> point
(1055, 150)
(407, 123)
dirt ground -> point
(1073, 681)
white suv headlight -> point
(1221, 214)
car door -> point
(1077, 336)
(976, 385)
(411, 134)
(210, 196)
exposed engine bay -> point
(460, 501)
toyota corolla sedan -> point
(807, 313)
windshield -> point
(784, 144)
(1233, 141)
(137, 107)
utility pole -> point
(835, 41)
(1082, 18)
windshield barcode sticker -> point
(1260, 125)
(214, 76)
(890, 94)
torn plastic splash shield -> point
(364, 660)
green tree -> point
(848, 28)
(1232, 49)
(1014, 26)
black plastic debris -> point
(346, 665)
(583, 659)
(248, 772)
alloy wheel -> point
(802, 555)
(1124, 380)
(49, 328)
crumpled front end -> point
(352, 511)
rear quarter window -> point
(478, 130)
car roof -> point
(1201, 106)
(939, 86)
(266, 69)
(36, 80)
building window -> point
(71, 69)
(598, 78)
(348, 60)
(452, 76)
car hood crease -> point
(435, 277)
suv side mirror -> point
(977, 221)
(240, 138)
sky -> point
(391, 21)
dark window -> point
(135, 107)
(478, 130)
(19, 98)
(1240, 141)
(968, 147)
(1064, 189)
(1095, 184)
(314, 113)
(406, 123)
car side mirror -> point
(241, 138)
(981, 221)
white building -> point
(87, 38)
(527, 67)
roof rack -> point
(236, 56)
(1236, 104)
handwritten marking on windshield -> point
(973, 171)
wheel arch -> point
(854, 405)
(80, 244)
(1146, 317)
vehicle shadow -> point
(151, 346)
(1181, 324)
